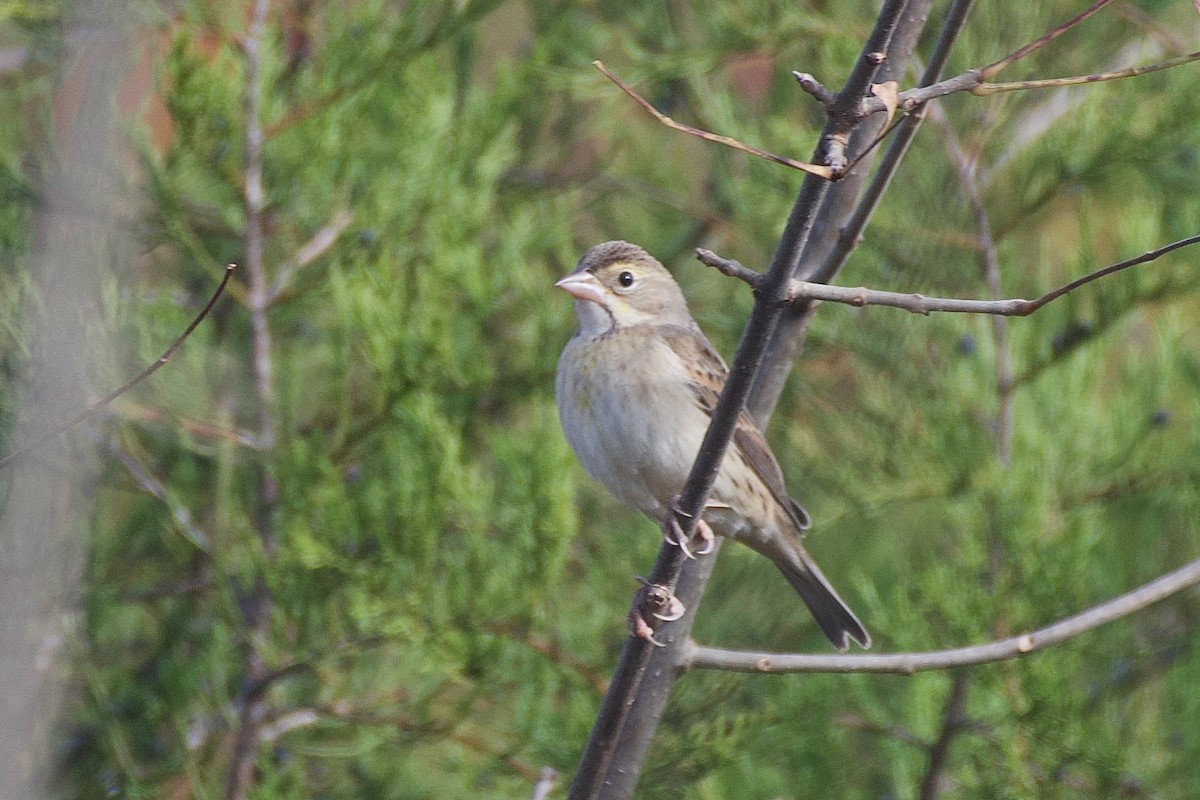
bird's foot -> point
(673, 529)
(650, 602)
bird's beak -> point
(582, 286)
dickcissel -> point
(636, 388)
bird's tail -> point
(836, 619)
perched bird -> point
(636, 388)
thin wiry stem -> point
(998, 66)
(973, 82)
(985, 89)
(155, 488)
(812, 169)
(310, 251)
(100, 404)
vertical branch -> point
(257, 606)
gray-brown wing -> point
(707, 372)
(754, 449)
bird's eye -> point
(625, 279)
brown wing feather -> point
(708, 372)
(753, 447)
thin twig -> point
(975, 80)
(870, 148)
(814, 87)
(258, 297)
(919, 303)
(734, 269)
(998, 66)
(812, 169)
(204, 429)
(155, 488)
(700, 657)
(985, 89)
(38, 441)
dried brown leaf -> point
(889, 93)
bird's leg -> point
(652, 600)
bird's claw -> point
(653, 600)
(673, 530)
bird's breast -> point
(629, 414)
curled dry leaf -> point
(889, 93)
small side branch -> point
(919, 303)
(125, 387)
(155, 488)
(700, 657)
(734, 269)
(814, 87)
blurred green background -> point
(446, 589)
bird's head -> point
(618, 284)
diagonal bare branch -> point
(700, 657)
(612, 760)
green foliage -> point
(447, 590)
